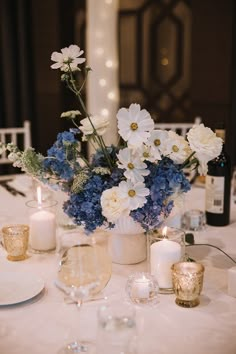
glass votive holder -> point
(42, 221)
(116, 331)
(166, 246)
(45, 191)
(142, 288)
(187, 283)
(15, 241)
(194, 220)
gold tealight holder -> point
(15, 240)
(187, 283)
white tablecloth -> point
(42, 325)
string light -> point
(111, 95)
(109, 63)
(102, 82)
(105, 112)
(99, 51)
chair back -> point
(180, 128)
(20, 136)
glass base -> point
(34, 251)
(78, 347)
(166, 290)
(16, 258)
(186, 303)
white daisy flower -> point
(135, 194)
(134, 125)
(157, 142)
(68, 58)
(131, 162)
(176, 147)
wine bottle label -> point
(215, 194)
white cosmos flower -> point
(131, 162)
(68, 58)
(135, 194)
(134, 125)
(157, 142)
(146, 154)
(206, 145)
(100, 124)
(113, 206)
(176, 147)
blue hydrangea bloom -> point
(85, 207)
(163, 181)
(61, 157)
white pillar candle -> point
(162, 255)
(43, 230)
(141, 288)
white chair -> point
(20, 136)
(180, 128)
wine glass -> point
(84, 271)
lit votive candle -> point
(163, 253)
(43, 230)
(141, 288)
(42, 224)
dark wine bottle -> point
(218, 188)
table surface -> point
(44, 323)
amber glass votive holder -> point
(15, 240)
(187, 283)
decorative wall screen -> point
(155, 57)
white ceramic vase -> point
(127, 243)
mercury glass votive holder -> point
(15, 240)
(142, 288)
(165, 246)
(187, 282)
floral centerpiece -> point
(141, 177)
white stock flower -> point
(100, 124)
(113, 206)
(131, 162)
(206, 145)
(157, 142)
(134, 194)
(70, 114)
(68, 58)
(134, 125)
(176, 148)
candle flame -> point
(39, 196)
(164, 231)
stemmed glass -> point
(84, 270)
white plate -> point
(16, 287)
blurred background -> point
(173, 57)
